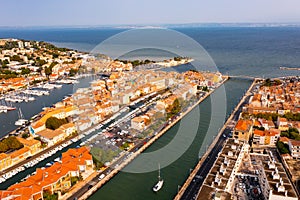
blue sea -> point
(253, 51)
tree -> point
(48, 71)
(205, 89)
(74, 180)
(48, 196)
(10, 143)
(3, 147)
(13, 143)
(283, 148)
(73, 72)
(25, 135)
(54, 123)
(25, 71)
(16, 58)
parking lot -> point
(247, 188)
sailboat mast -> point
(158, 171)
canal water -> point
(139, 185)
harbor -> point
(45, 95)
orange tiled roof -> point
(30, 142)
(259, 132)
(295, 142)
(243, 125)
(33, 186)
(3, 156)
(19, 152)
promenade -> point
(190, 187)
(82, 194)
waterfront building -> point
(31, 147)
(55, 179)
(52, 137)
(32, 144)
(140, 123)
(5, 161)
(19, 155)
(243, 130)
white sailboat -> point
(160, 182)
(21, 121)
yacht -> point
(160, 182)
(21, 121)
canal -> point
(130, 186)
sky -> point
(122, 12)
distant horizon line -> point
(165, 25)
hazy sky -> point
(108, 12)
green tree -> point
(48, 196)
(10, 143)
(73, 72)
(54, 123)
(48, 71)
(25, 71)
(283, 148)
(3, 147)
(16, 58)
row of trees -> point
(268, 82)
(136, 62)
(292, 133)
(273, 116)
(10, 143)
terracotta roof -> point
(29, 142)
(3, 156)
(50, 134)
(259, 132)
(19, 152)
(33, 185)
(243, 125)
(295, 142)
(284, 139)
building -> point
(243, 130)
(282, 124)
(273, 180)
(52, 137)
(19, 155)
(32, 144)
(54, 179)
(267, 137)
(5, 161)
(221, 176)
(139, 123)
(294, 147)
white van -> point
(101, 177)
